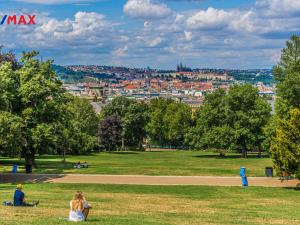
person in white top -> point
(79, 208)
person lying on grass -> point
(79, 208)
(19, 198)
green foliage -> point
(11, 138)
(9, 57)
(169, 122)
(31, 94)
(134, 117)
(232, 121)
(36, 115)
(269, 131)
(285, 146)
(156, 127)
(134, 123)
(288, 91)
(290, 59)
(110, 132)
(82, 125)
(283, 133)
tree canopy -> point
(283, 132)
(37, 116)
(133, 116)
(169, 122)
(231, 121)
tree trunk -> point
(64, 155)
(259, 153)
(244, 151)
(123, 145)
(29, 161)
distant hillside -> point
(69, 75)
(253, 76)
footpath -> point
(146, 180)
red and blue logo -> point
(18, 20)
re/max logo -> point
(18, 20)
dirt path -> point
(146, 180)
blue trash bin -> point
(243, 171)
(15, 168)
(244, 181)
(243, 176)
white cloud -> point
(219, 19)
(188, 35)
(148, 41)
(120, 52)
(147, 24)
(155, 42)
(209, 19)
(279, 8)
(243, 21)
(179, 18)
(50, 2)
(146, 9)
(85, 25)
(200, 37)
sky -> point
(230, 34)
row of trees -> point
(232, 120)
(127, 123)
(37, 116)
(238, 119)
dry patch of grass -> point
(277, 221)
(159, 205)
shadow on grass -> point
(10, 162)
(27, 178)
(42, 165)
(123, 153)
(229, 157)
(92, 220)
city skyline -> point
(156, 33)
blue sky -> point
(155, 33)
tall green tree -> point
(82, 125)
(287, 74)
(41, 96)
(290, 59)
(156, 128)
(285, 146)
(177, 121)
(231, 121)
(169, 122)
(134, 117)
(134, 124)
(31, 94)
(110, 132)
(283, 136)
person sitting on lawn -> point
(19, 198)
(77, 165)
(85, 165)
(79, 208)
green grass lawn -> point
(150, 163)
(156, 205)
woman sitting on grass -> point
(79, 208)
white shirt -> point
(75, 216)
